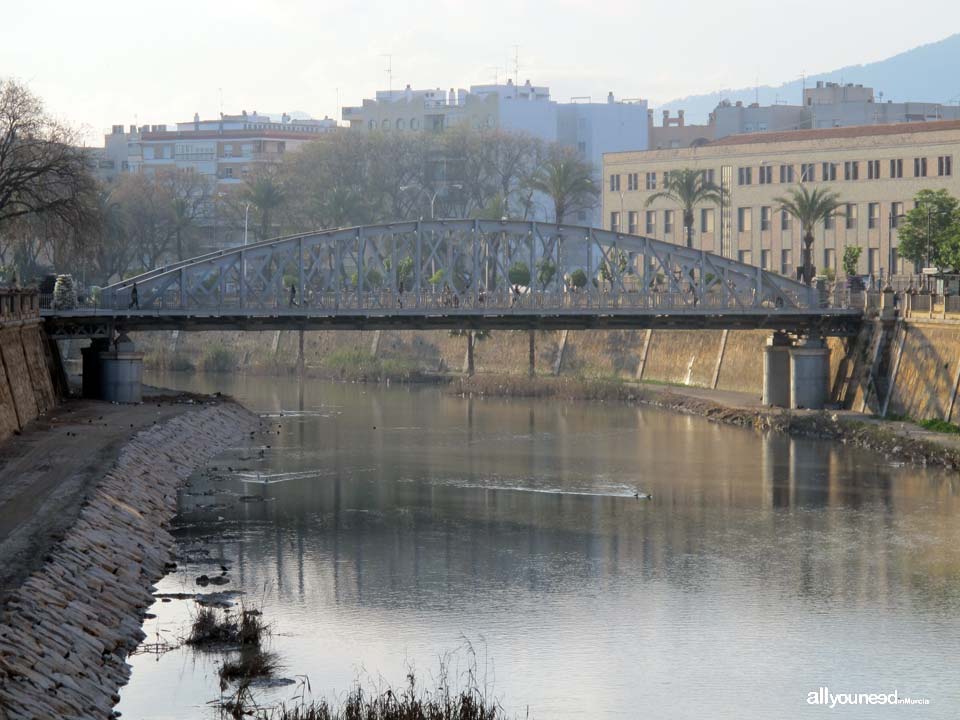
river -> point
(400, 523)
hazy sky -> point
(99, 62)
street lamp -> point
(246, 216)
(432, 197)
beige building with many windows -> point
(877, 170)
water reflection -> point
(405, 518)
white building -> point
(590, 128)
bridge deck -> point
(98, 323)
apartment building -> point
(877, 170)
(590, 128)
(225, 149)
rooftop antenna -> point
(389, 58)
(756, 91)
(516, 64)
(496, 73)
(220, 90)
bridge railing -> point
(503, 300)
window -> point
(786, 261)
(744, 218)
(896, 168)
(919, 167)
(807, 172)
(850, 215)
(765, 259)
(745, 256)
(615, 221)
(873, 260)
(614, 183)
(851, 170)
(944, 165)
(829, 171)
(414, 123)
(632, 220)
(830, 258)
(784, 220)
(651, 222)
(228, 172)
(651, 181)
(582, 147)
(385, 125)
(894, 262)
(745, 176)
(765, 215)
(709, 177)
(632, 181)
(666, 178)
(873, 216)
(896, 214)
(873, 169)
(399, 123)
(786, 174)
(828, 223)
(766, 174)
(667, 222)
(706, 220)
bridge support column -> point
(532, 370)
(91, 369)
(776, 371)
(121, 372)
(809, 374)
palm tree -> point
(809, 207)
(567, 181)
(689, 188)
(266, 195)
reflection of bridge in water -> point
(464, 274)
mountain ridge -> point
(926, 73)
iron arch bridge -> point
(456, 274)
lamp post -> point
(246, 216)
(890, 269)
(432, 197)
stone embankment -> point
(66, 631)
(896, 440)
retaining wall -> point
(924, 385)
(26, 385)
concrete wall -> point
(924, 379)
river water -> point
(399, 524)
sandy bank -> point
(66, 630)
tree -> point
(930, 233)
(519, 274)
(266, 196)
(47, 193)
(688, 188)
(809, 207)
(851, 259)
(578, 278)
(567, 181)
(546, 271)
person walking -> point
(293, 294)
(134, 298)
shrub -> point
(578, 278)
(218, 359)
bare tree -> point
(42, 169)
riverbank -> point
(84, 504)
(897, 440)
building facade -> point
(589, 128)
(877, 170)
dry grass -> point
(213, 627)
(252, 664)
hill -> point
(926, 73)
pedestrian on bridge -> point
(293, 294)
(134, 298)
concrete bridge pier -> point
(776, 371)
(113, 373)
(809, 374)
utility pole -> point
(389, 58)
